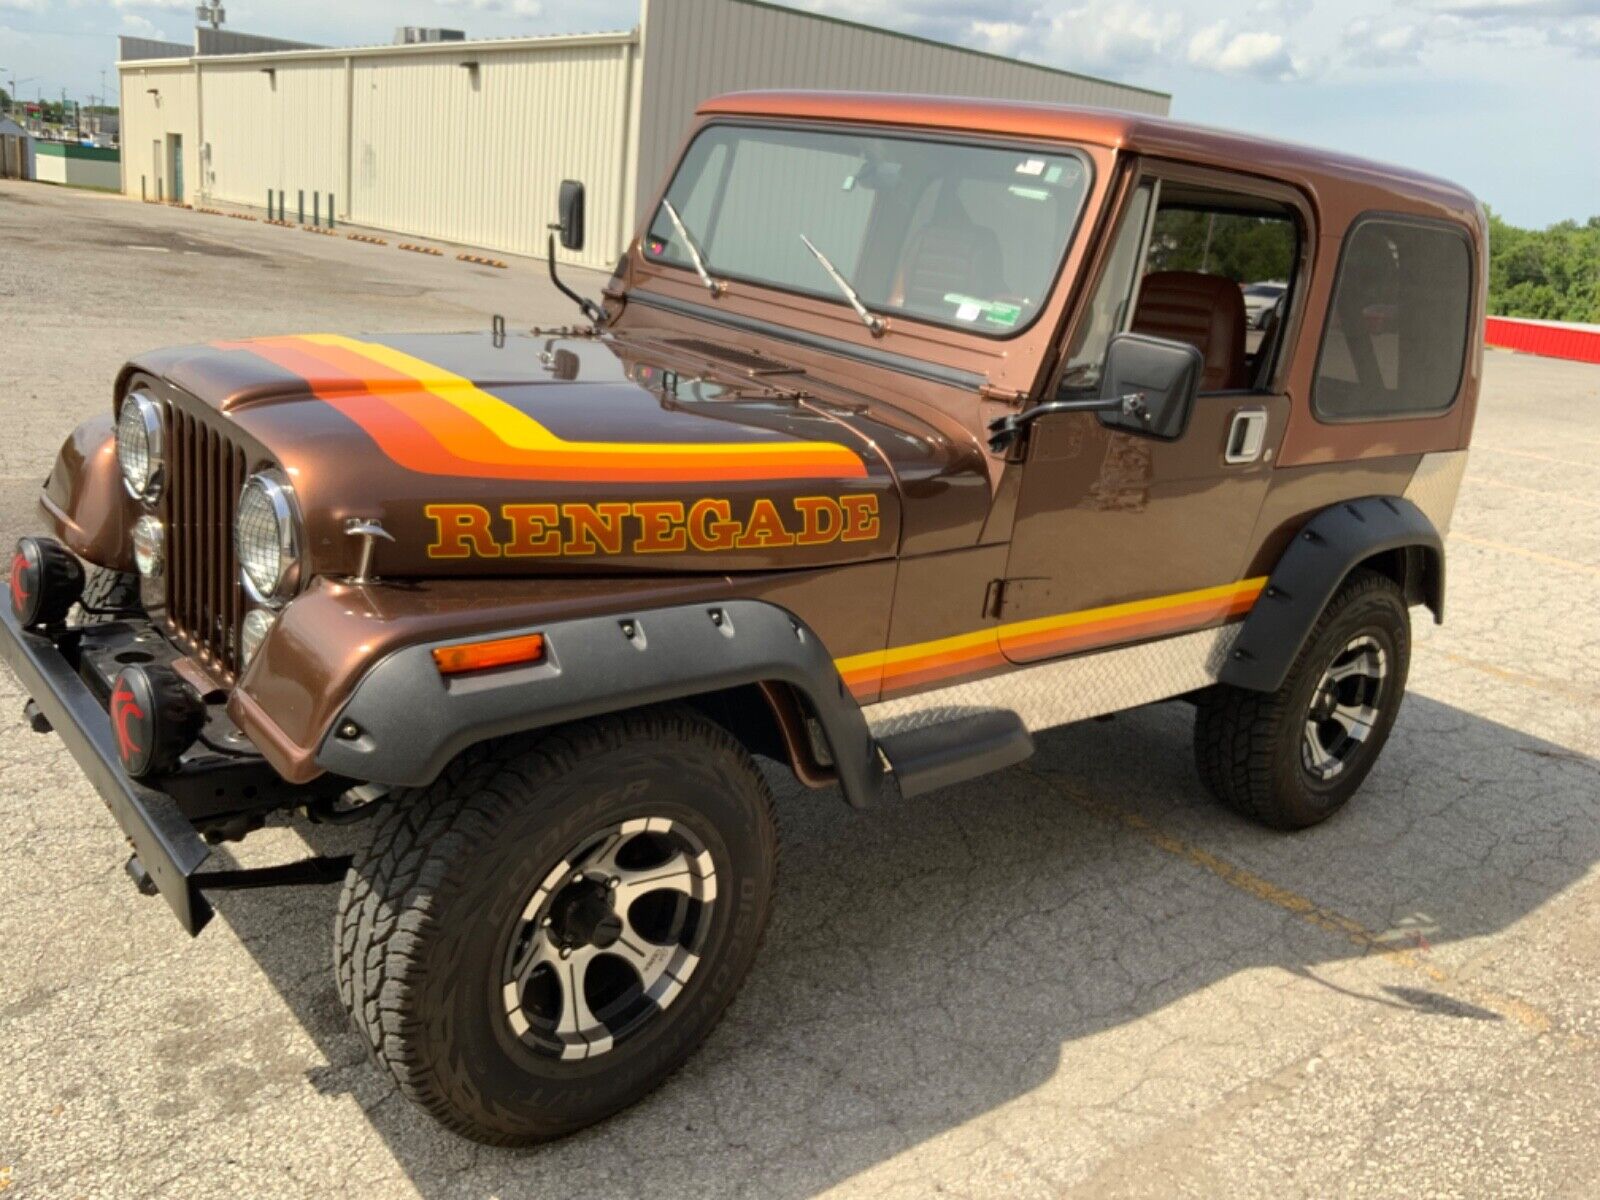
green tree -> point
(1549, 274)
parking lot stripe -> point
(1564, 497)
(1305, 909)
(1537, 556)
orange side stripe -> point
(905, 668)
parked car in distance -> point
(904, 429)
(1261, 300)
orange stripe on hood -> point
(437, 423)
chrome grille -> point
(205, 601)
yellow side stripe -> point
(1087, 616)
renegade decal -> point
(433, 421)
(647, 527)
(906, 668)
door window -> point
(1215, 269)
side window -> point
(1396, 339)
(1218, 276)
(1109, 306)
(1214, 269)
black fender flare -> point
(405, 721)
(1323, 553)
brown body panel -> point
(535, 478)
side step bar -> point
(936, 756)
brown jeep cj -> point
(906, 427)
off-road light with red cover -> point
(46, 581)
(155, 717)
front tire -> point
(1292, 758)
(547, 932)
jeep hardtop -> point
(905, 428)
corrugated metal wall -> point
(694, 49)
(283, 130)
(158, 101)
(477, 155)
(413, 139)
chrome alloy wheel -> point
(610, 937)
(1344, 708)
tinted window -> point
(964, 235)
(1397, 329)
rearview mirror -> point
(570, 226)
(1164, 374)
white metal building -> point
(467, 141)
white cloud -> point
(517, 8)
(169, 5)
(133, 23)
(1112, 35)
(1371, 43)
(999, 37)
(23, 5)
(1252, 52)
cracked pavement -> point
(1077, 978)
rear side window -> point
(1396, 340)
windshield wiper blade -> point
(870, 319)
(715, 286)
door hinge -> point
(994, 598)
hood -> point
(536, 454)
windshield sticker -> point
(998, 313)
(1053, 175)
(1032, 166)
(1028, 193)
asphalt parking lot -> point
(1078, 978)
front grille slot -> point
(205, 601)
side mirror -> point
(1165, 375)
(570, 225)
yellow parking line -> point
(1305, 909)
(1521, 678)
(1565, 462)
(1537, 556)
(1564, 497)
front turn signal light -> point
(481, 656)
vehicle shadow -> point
(931, 961)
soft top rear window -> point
(969, 236)
(1397, 332)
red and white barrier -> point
(1552, 339)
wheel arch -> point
(1387, 534)
(752, 667)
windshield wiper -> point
(715, 286)
(870, 319)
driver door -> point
(1124, 536)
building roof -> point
(1137, 133)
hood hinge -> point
(1011, 396)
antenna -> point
(213, 14)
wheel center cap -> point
(582, 916)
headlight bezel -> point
(275, 487)
(150, 426)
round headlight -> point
(264, 534)
(257, 624)
(139, 445)
(149, 546)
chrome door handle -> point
(1246, 436)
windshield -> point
(961, 235)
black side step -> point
(937, 756)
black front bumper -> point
(167, 844)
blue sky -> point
(1501, 95)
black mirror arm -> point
(590, 309)
(1003, 431)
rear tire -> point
(486, 898)
(1292, 758)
